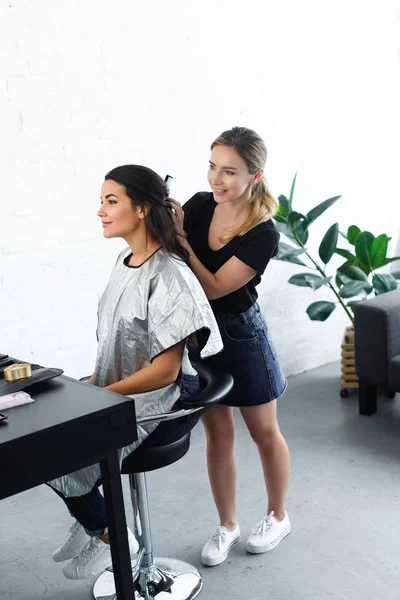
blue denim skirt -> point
(250, 357)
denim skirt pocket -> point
(237, 330)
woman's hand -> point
(177, 217)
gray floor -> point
(343, 503)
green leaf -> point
(363, 245)
(298, 222)
(284, 203)
(317, 283)
(343, 235)
(292, 192)
(383, 283)
(320, 311)
(339, 281)
(352, 233)
(354, 288)
(378, 250)
(279, 218)
(345, 254)
(352, 272)
(315, 212)
(309, 280)
(301, 231)
(286, 230)
(328, 244)
(304, 279)
(364, 268)
(289, 254)
(295, 217)
(396, 274)
(281, 211)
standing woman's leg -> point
(219, 426)
(263, 426)
(262, 423)
(220, 433)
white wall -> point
(87, 85)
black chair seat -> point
(150, 458)
(215, 386)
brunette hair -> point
(148, 190)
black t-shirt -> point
(255, 248)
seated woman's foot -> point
(218, 546)
(267, 534)
(95, 558)
(76, 539)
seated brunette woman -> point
(151, 305)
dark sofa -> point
(377, 348)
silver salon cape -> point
(143, 311)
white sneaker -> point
(76, 539)
(217, 548)
(268, 533)
(95, 558)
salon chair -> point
(162, 578)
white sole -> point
(212, 562)
(65, 557)
(75, 576)
(261, 549)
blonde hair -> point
(250, 146)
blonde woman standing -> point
(231, 238)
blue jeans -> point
(89, 510)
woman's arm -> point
(233, 275)
(163, 370)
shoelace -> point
(219, 536)
(89, 550)
(264, 525)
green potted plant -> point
(354, 280)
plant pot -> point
(349, 376)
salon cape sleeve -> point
(177, 308)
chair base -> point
(167, 579)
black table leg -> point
(112, 487)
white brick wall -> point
(85, 86)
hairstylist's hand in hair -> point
(177, 217)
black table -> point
(69, 426)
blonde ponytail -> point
(263, 207)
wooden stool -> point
(349, 376)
